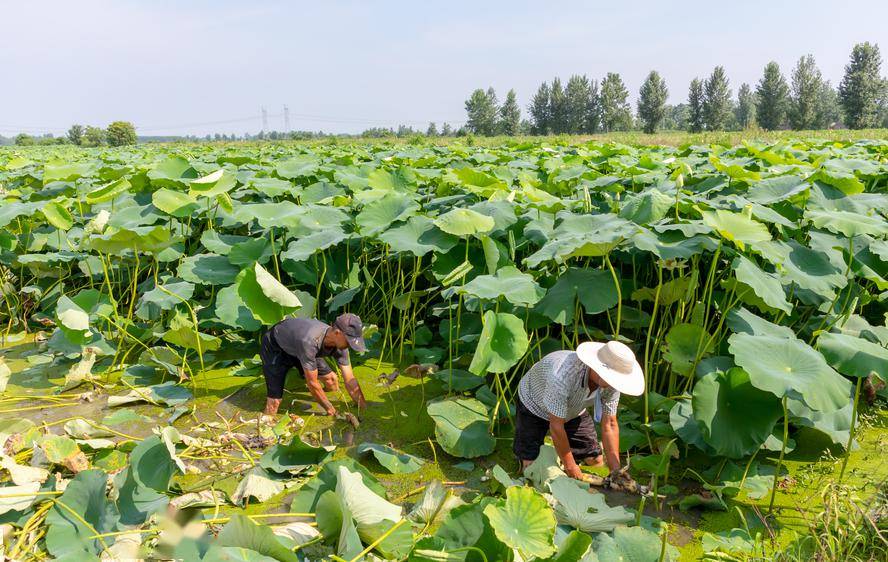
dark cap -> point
(350, 325)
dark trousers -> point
(531, 430)
(275, 364)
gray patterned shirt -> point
(558, 385)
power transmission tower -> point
(264, 119)
(286, 119)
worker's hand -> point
(574, 471)
(331, 411)
(354, 390)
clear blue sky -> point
(208, 66)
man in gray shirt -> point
(303, 343)
(553, 397)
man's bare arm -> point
(562, 447)
(610, 439)
(317, 390)
(353, 386)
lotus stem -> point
(780, 458)
(610, 266)
(851, 431)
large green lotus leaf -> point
(305, 500)
(241, 532)
(303, 248)
(479, 182)
(283, 214)
(167, 393)
(66, 170)
(434, 504)
(685, 345)
(384, 212)
(466, 526)
(736, 416)
(176, 203)
(583, 236)
(791, 368)
(9, 211)
(633, 544)
(252, 250)
(394, 461)
(524, 521)
(736, 227)
(854, 357)
(158, 299)
(594, 287)
(742, 321)
(502, 344)
(868, 266)
(184, 333)
(295, 456)
(72, 320)
(297, 166)
(670, 292)
(735, 169)
(419, 236)
(134, 216)
(681, 418)
(265, 296)
(208, 269)
(517, 287)
(219, 243)
(18, 497)
(219, 182)
(464, 222)
(57, 215)
(673, 244)
(173, 172)
(836, 425)
(458, 380)
(764, 285)
(143, 485)
(807, 268)
(847, 222)
(545, 468)
(232, 311)
(108, 192)
(462, 427)
(775, 189)
(647, 207)
(585, 511)
(151, 239)
(67, 537)
(842, 179)
(272, 187)
(373, 516)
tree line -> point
(118, 133)
(587, 106)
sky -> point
(197, 67)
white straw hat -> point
(615, 363)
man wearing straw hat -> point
(553, 397)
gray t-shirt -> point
(303, 338)
(558, 385)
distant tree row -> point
(585, 106)
(118, 133)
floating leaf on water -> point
(462, 427)
(68, 537)
(394, 461)
(257, 484)
(241, 532)
(295, 456)
(434, 504)
(167, 394)
(585, 511)
(523, 521)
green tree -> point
(652, 102)
(807, 85)
(75, 134)
(93, 136)
(539, 110)
(121, 133)
(446, 130)
(24, 139)
(616, 115)
(716, 100)
(745, 110)
(862, 88)
(432, 131)
(510, 115)
(593, 109)
(773, 98)
(481, 113)
(829, 111)
(557, 108)
(676, 117)
(695, 106)
(576, 96)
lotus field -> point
(750, 281)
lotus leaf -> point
(394, 461)
(462, 427)
(583, 510)
(502, 343)
(523, 521)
